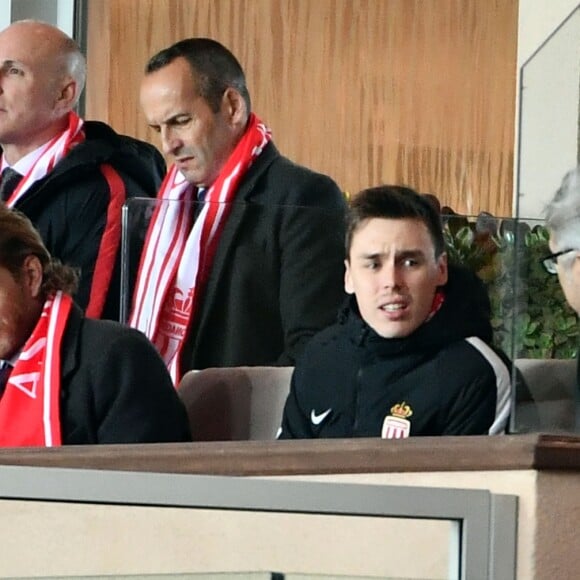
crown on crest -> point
(401, 410)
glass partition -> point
(545, 334)
(532, 323)
(549, 130)
(245, 235)
(268, 277)
(531, 319)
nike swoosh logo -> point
(318, 418)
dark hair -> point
(18, 240)
(393, 202)
(215, 67)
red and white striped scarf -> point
(30, 406)
(177, 257)
(52, 153)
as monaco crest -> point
(397, 425)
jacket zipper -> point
(356, 399)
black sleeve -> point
(295, 424)
(312, 265)
(81, 227)
(76, 238)
(473, 411)
(135, 401)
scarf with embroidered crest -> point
(30, 405)
(178, 254)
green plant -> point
(530, 316)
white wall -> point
(547, 129)
(548, 145)
(5, 13)
(58, 12)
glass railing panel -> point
(275, 278)
(549, 116)
(532, 322)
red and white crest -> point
(397, 425)
(395, 428)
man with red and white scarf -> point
(252, 272)
(64, 378)
(70, 177)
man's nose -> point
(170, 144)
(390, 275)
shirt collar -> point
(24, 165)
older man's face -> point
(198, 140)
(568, 274)
(30, 88)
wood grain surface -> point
(416, 454)
(417, 92)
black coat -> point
(78, 218)
(444, 379)
(277, 276)
(115, 387)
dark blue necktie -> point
(8, 182)
(4, 374)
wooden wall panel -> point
(419, 92)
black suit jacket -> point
(277, 276)
(115, 387)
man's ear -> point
(442, 269)
(32, 274)
(66, 95)
(348, 285)
(234, 106)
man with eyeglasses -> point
(563, 223)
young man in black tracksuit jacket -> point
(410, 354)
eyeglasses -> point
(550, 262)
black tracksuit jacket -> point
(79, 216)
(444, 379)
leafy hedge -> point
(530, 316)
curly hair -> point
(18, 240)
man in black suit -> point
(64, 378)
(259, 270)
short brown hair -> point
(20, 239)
(394, 202)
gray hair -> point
(73, 63)
(563, 214)
(77, 68)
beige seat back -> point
(552, 385)
(234, 404)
